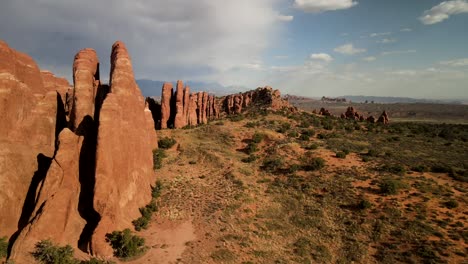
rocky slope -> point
(75, 160)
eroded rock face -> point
(27, 135)
(187, 102)
(179, 121)
(56, 213)
(124, 165)
(166, 98)
(86, 84)
(193, 110)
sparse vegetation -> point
(125, 244)
(158, 156)
(3, 247)
(166, 142)
(48, 253)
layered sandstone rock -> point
(166, 98)
(86, 83)
(124, 165)
(192, 117)
(186, 104)
(56, 213)
(29, 112)
(180, 119)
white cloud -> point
(349, 49)
(387, 41)
(397, 52)
(318, 6)
(201, 41)
(369, 59)
(281, 57)
(443, 11)
(373, 35)
(455, 63)
(406, 30)
(285, 18)
(321, 57)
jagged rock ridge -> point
(180, 109)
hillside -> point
(387, 201)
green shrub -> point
(96, 261)
(249, 159)
(311, 146)
(390, 186)
(308, 132)
(285, 126)
(272, 164)
(156, 189)
(3, 247)
(451, 204)
(251, 124)
(395, 169)
(48, 253)
(293, 134)
(125, 244)
(341, 155)
(364, 204)
(310, 163)
(251, 148)
(158, 156)
(258, 137)
(372, 153)
(304, 137)
(166, 142)
(419, 168)
(236, 118)
(441, 169)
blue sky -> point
(409, 48)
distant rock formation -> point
(324, 112)
(77, 162)
(200, 108)
(333, 100)
(383, 118)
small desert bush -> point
(48, 253)
(272, 164)
(249, 159)
(158, 156)
(364, 204)
(451, 204)
(391, 186)
(340, 154)
(236, 118)
(311, 146)
(258, 137)
(166, 142)
(156, 189)
(3, 247)
(311, 163)
(395, 169)
(125, 244)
